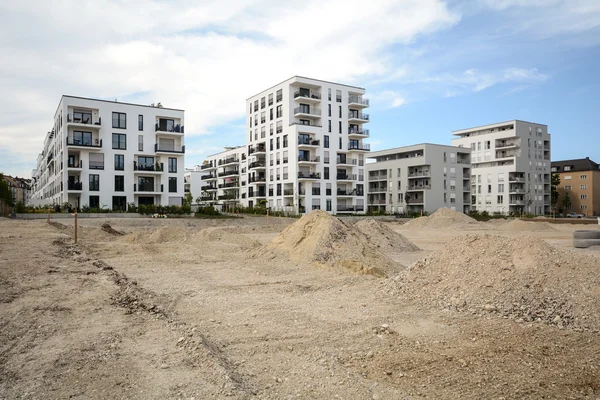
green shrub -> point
(20, 207)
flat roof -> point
(497, 123)
(119, 102)
(393, 150)
(226, 149)
(305, 77)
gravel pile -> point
(443, 218)
(382, 237)
(518, 225)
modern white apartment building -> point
(219, 180)
(305, 147)
(510, 166)
(419, 178)
(106, 154)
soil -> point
(175, 310)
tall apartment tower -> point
(419, 178)
(106, 154)
(510, 166)
(218, 181)
(305, 147)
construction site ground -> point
(187, 309)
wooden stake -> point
(75, 226)
(48, 216)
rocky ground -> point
(171, 311)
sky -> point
(429, 66)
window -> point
(140, 142)
(271, 145)
(329, 110)
(489, 189)
(567, 167)
(119, 120)
(583, 197)
(326, 141)
(583, 187)
(500, 187)
(329, 94)
(251, 120)
(326, 172)
(94, 202)
(568, 187)
(263, 118)
(583, 207)
(119, 203)
(277, 143)
(328, 205)
(279, 127)
(262, 103)
(271, 99)
(94, 183)
(329, 126)
(172, 164)
(340, 143)
(119, 162)
(340, 112)
(255, 105)
(172, 184)
(271, 130)
(96, 161)
(500, 199)
(567, 177)
(255, 119)
(119, 141)
(119, 183)
(582, 176)
(279, 111)
(270, 114)
(285, 141)
(487, 145)
(338, 96)
(83, 138)
(340, 127)
(140, 122)
(279, 95)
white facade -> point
(510, 166)
(419, 178)
(107, 154)
(305, 147)
(218, 181)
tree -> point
(5, 193)
(554, 195)
(567, 201)
(187, 200)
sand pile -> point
(441, 219)
(157, 236)
(110, 230)
(518, 225)
(224, 235)
(521, 278)
(382, 237)
(320, 239)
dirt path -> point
(112, 318)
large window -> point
(326, 141)
(145, 163)
(119, 120)
(119, 162)
(140, 122)
(119, 141)
(279, 111)
(119, 203)
(172, 164)
(94, 183)
(119, 183)
(94, 202)
(82, 138)
(96, 161)
(172, 185)
(85, 117)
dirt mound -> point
(320, 239)
(225, 235)
(518, 225)
(442, 218)
(382, 237)
(109, 229)
(521, 278)
(58, 225)
(160, 235)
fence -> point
(5, 209)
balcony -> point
(257, 165)
(168, 129)
(83, 120)
(359, 147)
(345, 177)
(418, 174)
(308, 160)
(357, 101)
(305, 123)
(257, 150)
(85, 143)
(307, 112)
(358, 117)
(516, 202)
(514, 190)
(169, 149)
(228, 161)
(378, 177)
(75, 165)
(350, 208)
(209, 177)
(149, 188)
(207, 166)
(418, 188)
(230, 185)
(307, 96)
(308, 176)
(257, 180)
(257, 194)
(307, 142)
(358, 133)
(345, 193)
(147, 168)
(516, 179)
(229, 173)
(74, 186)
(288, 192)
(208, 188)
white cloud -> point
(387, 99)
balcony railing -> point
(308, 159)
(88, 120)
(359, 146)
(358, 100)
(148, 187)
(159, 167)
(228, 161)
(288, 192)
(260, 179)
(309, 95)
(361, 116)
(208, 187)
(308, 111)
(229, 173)
(256, 164)
(308, 141)
(97, 143)
(74, 186)
(309, 176)
(419, 187)
(169, 149)
(419, 173)
(165, 128)
(75, 164)
(350, 208)
(210, 176)
(259, 149)
(306, 123)
(358, 131)
(206, 166)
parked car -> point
(575, 215)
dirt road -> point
(168, 311)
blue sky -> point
(429, 66)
